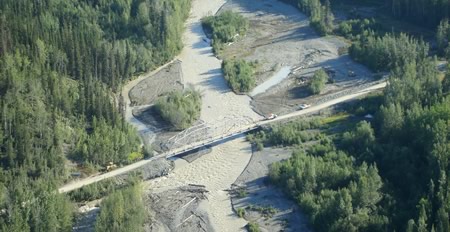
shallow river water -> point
(282, 74)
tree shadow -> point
(299, 92)
(216, 81)
(344, 71)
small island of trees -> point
(180, 108)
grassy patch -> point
(367, 105)
(336, 118)
(134, 156)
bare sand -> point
(150, 89)
(216, 171)
(203, 70)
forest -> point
(62, 65)
(123, 210)
(425, 13)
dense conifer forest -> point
(62, 65)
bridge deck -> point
(177, 151)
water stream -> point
(274, 80)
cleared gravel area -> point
(164, 81)
(279, 37)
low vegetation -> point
(122, 210)
(240, 212)
(318, 81)
(101, 189)
(239, 75)
(242, 193)
(180, 108)
(287, 134)
(370, 104)
(225, 28)
(253, 227)
(265, 211)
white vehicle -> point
(304, 106)
(271, 116)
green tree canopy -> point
(180, 108)
(318, 81)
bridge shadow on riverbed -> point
(208, 146)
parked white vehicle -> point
(304, 106)
(271, 116)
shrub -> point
(242, 193)
(180, 108)
(318, 81)
(135, 156)
(241, 212)
(253, 227)
(239, 75)
(259, 146)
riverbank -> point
(263, 203)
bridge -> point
(201, 135)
